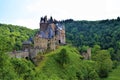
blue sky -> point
(28, 12)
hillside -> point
(12, 36)
(104, 33)
(75, 67)
(93, 32)
(114, 75)
(64, 63)
(53, 70)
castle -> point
(50, 35)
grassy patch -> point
(48, 68)
(114, 75)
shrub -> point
(62, 57)
(104, 63)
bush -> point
(23, 68)
(103, 63)
(87, 71)
(6, 69)
(115, 64)
(62, 57)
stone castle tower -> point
(50, 34)
(87, 55)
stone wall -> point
(87, 55)
(52, 43)
(34, 52)
(26, 54)
(43, 26)
(19, 54)
(40, 42)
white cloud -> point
(113, 5)
(30, 23)
(64, 9)
(75, 9)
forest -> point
(103, 33)
(12, 36)
(65, 63)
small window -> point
(59, 41)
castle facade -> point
(51, 33)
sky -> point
(28, 12)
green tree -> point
(11, 36)
(87, 71)
(95, 49)
(104, 63)
(63, 57)
(6, 69)
(83, 48)
(23, 68)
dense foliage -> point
(6, 68)
(11, 36)
(114, 75)
(64, 63)
(105, 33)
(15, 69)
